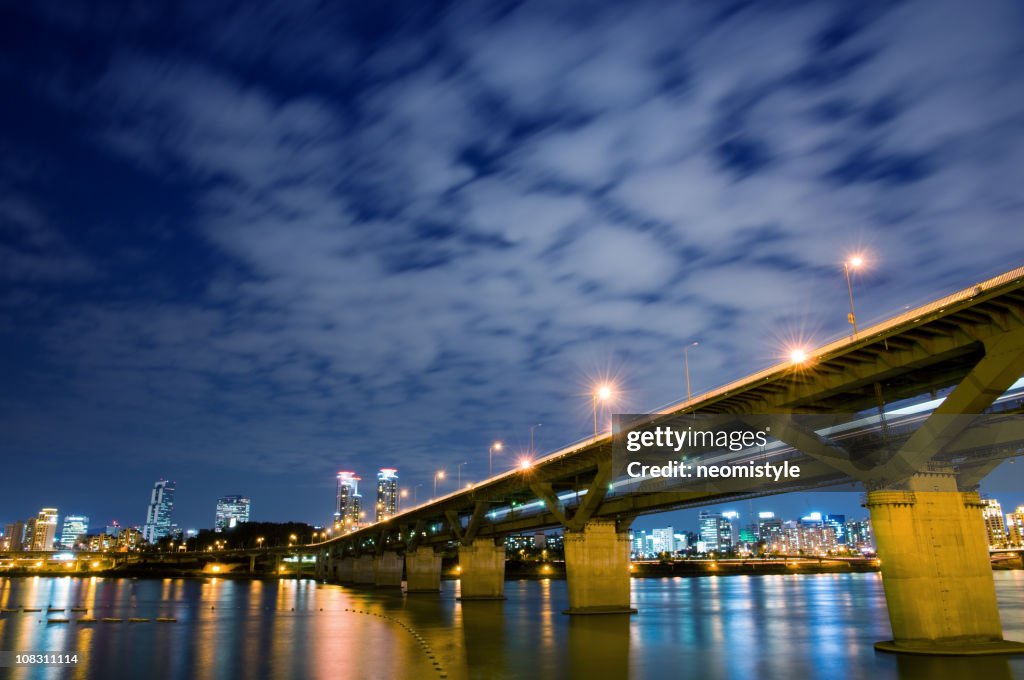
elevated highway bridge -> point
(923, 376)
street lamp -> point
(437, 475)
(402, 495)
(604, 393)
(686, 363)
(854, 262)
(496, 446)
(259, 542)
(415, 495)
(532, 428)
(458, 475)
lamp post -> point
(437, 475)
(458, 475)
(496, 446)
(403, 494)
(415, 495)
(603, 392)
(532, 428)
(854, 262)
(686, 364)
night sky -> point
(244, 247)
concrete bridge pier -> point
(364, 570)
(936, 570)
(482, 570)
(423, 570)
(324, 560)
(597, 569)
(346, 570)
(387, 570)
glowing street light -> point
(496, 446)
(259, 542)
(437, 475)
(525, 463)
(855, 262)
(604, 393)
(686, 363)
(798, 355)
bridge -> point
(922, 494)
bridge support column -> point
(482, 570)
(597, 569)
(387, 570)
(423, 570)
(936, 570)
(364, 570)
(346, 570)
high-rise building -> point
(662, 540)
(732, 519)
(231, 511)
(858, 535)
(30, 534)
(769, 531)
(14, 536)
(158, 514)
(638, 543)
(1015, 528)
(387, 493)
(75, 526)
(45, 529)
(348, 510)
(838, 525)
(128, 539)
(710, 525)
(992, 514)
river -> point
(799, 626)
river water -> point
(736, 627)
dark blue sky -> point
(245, 246)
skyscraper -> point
(387, 493)
(45, 529)
(30, 533)
(349, 500)
(1015, 528)
(769, 530)
(158, 514)
(992, 513)
(709, 527)
(231, 511)
(75, 526)
(14, 535)
(663, 540)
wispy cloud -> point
(408, 238)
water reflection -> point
(805, 626)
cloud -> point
(406, 241)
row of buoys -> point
(424, 645)
(112, 619)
